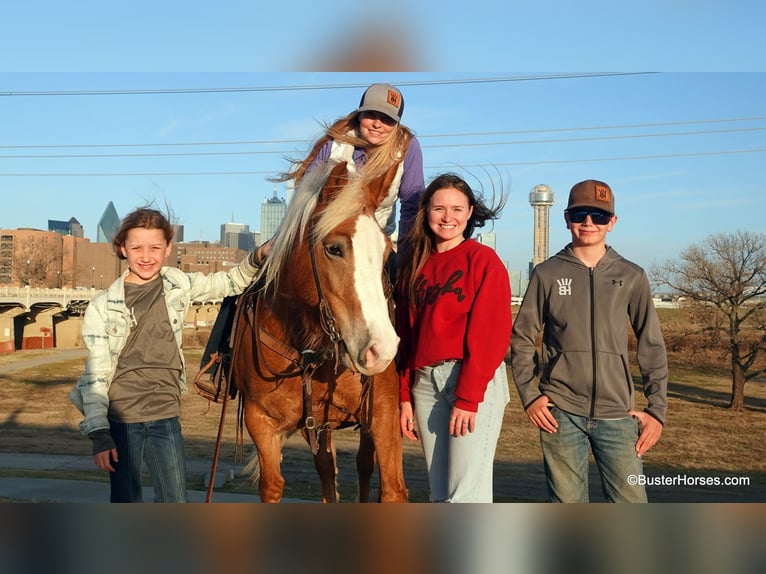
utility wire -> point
(489, 165)
(157, 91)
(420, 136)
(467, 144)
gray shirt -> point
(146, 382)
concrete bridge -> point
(26, 298)
(42, 318)
(37, 318)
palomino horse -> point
(314, 349)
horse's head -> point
(348, 271)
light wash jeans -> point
(160, 445)
(459, 468)
(613, 443)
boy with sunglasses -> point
(582, 300)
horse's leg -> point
(271, 484)
(326, 465)
(388, 447)
(365, 464)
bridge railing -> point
(28, 296)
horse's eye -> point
(334, 250)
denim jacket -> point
(107, 324)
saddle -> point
(211, 380)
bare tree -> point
(725, 279)
(36, 261)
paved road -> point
(57, 490)
(28, 359)
(84, 491)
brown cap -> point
(592, 193)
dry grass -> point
(701, 437)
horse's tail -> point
(252, 468)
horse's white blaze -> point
(377, 343)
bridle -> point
(304, 363)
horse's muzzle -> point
(376, 356)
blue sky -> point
(690, 164)
(482, 35)
(673, 183)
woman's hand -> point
(461, 422)
(407, 421)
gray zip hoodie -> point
(584, 314)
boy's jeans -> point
(613, 443)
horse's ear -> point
(336, 181)
(378, 188)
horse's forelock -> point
(347, 204)
(294, 223)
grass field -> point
(702, 438)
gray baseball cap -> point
(383, 98)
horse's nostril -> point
(371, 356)
(378, 354)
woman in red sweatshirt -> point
(454, 320)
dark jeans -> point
(160, 445)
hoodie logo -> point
(565, 286)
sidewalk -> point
(84, 491)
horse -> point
(314, 345)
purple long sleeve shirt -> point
(410, 187)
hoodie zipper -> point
(591, 273)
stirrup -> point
(211, 387)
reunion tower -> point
(541, 199)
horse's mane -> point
(347, 203)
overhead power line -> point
(606, 127)
(420, 136)
(446, 145)
(230, 89)
(491, 164)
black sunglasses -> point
(597, 216)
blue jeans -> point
(160, 445)
(613, 443)
(459, 468)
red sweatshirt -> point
(463, 312)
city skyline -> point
(686, 146)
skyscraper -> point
(237, 235)
(487, 238)
(540, 198)
(71, 227)
(178, 233)
(108, 225)
(273, 210)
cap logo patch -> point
(393, 98)
(602, 193)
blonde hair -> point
(346, 130)
(346, 204)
